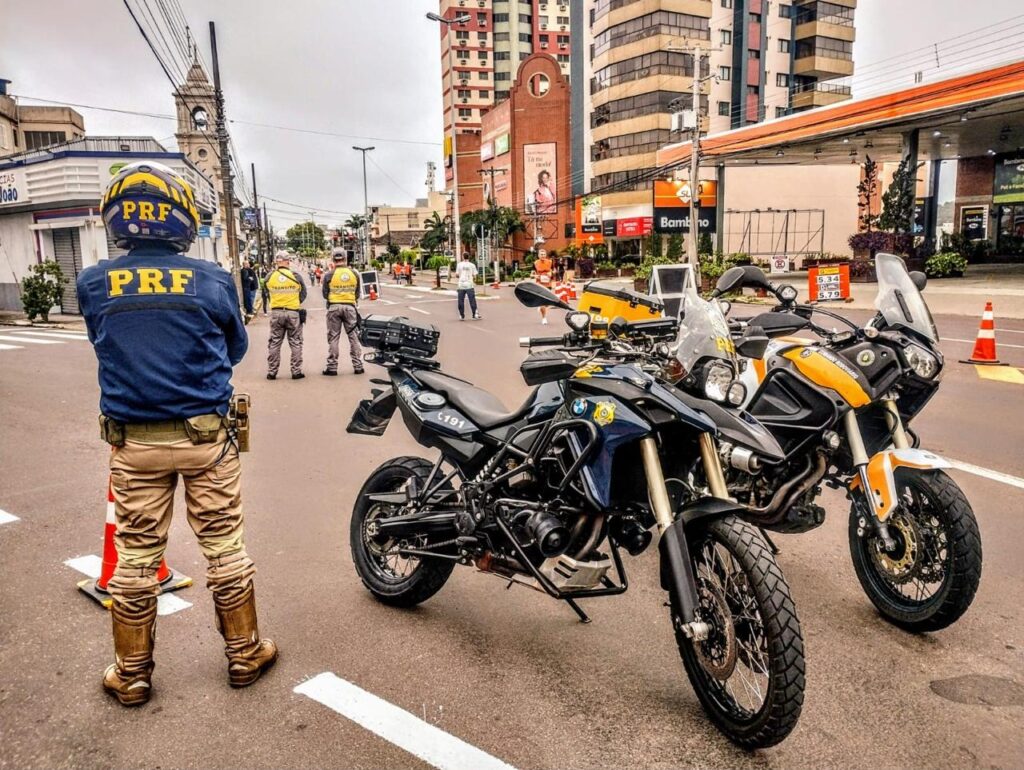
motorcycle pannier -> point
(397, 334)
(610, 301)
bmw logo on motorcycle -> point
(579, 407)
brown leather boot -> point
(248, 655)
(128, 678)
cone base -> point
(976, 362)
(90, 587)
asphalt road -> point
(507, 671)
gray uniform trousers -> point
(284, 322)
(339, 317)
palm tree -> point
(436, 234)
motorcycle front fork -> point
(675, 555)
(861, 459)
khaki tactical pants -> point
(338, 317)
(284, 322)
(144, 474)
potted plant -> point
(945, 264)
(41, 290)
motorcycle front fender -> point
(881, 474)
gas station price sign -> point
(828, 283)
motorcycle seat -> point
(483, 408)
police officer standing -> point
(167, 331)
(287, 292)
(341, 290)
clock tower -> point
(197, 132)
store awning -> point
(965, 116)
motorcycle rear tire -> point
(962, 564)
(784, 648)
(429, 575)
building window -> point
(481, 37)
(500, 96)
(500, 18)
(651, 103)
(630, 144)
(726, 37)
(752, 91)
(724, 108)
(502, 55)
(465, 114)
(524, 37)
(780, 112)
(563, 20)
(481, 18)
(36, 139)
(563, 40)
(785, 11)
(465, 94)
(525, 18)
(502, 75)
(657, 23)
(725, 73)
(523, 55)
(755, 18)
(482, 55)
(501, 37)
(483, 94)
(727, 3)
(783, 46)
(544, 39)
(563, 58)
(646, 65)
(202, 153)
(782, 80)
(830, 13)
(828, 47)
(412, 220)
(485, 75)
(753, 53)
(461, 34)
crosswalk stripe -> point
(25, 338)
(48, 335)
(7, 518)
(10, 347)
(92, 565)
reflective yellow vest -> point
(284, 290)
(342, 288)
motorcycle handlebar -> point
(534, 342)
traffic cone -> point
(373, 293)
(97, 589)
(985, 345)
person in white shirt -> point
(465, 273)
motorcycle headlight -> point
(924, 364)
(717, 380)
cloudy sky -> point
(365, 69)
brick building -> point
(524, 141)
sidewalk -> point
(57, 321)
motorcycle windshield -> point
(899, 300)
(703, 333)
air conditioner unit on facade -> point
(543, 26)
(685, 120)
(544, 45)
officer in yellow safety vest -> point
(341, 290)
(287, 292)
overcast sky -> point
(366, 68)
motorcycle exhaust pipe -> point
(416, 524)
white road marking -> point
(92, 565)
(10, 347)
(54, 335)
(977, 470)
(481, 329)
(420, 310)
(7, 518)
(421, 739)
(26, 338)
(971, 342)
(1010, 331)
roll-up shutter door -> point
(67, 248)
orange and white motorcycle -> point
(839, 407)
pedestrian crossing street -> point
(22, 339)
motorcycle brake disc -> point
(717, 654)
(903, 565)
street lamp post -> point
(458, 19)
(366, 208)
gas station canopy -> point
(965, 116)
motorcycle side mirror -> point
(754, 278)
(729, 280)
(753, 343)
(534, 295)
(920, 279)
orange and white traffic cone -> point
(97, 589)
(985, 345)
(373, 293)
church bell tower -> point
(197, 133)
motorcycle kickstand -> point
(771, 543)
(584, 618)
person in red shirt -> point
(542, 267)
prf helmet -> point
(147, 203)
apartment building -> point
(767, 58)
(487, 50)
(28, 127)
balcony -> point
(823, 67)
(818, 95)
(824, 28)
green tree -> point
(436, 236)
(652, 245)
(704, 245)
(42, 290)
(898, 200)
(866, 191)
(306, 239)
(675, 248)
(500, 221)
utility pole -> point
(695, 166)
(269, 234)
(366, 208)
(225, 164)
(256, 205)
(491, 172)
(491, 205)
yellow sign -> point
(604, 413)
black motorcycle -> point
(549, 494)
